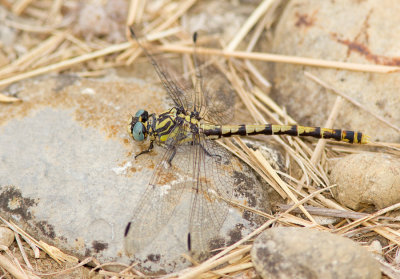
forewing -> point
(176, 86)
(205, 90)
(161, 196)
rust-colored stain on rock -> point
(363, 50)
(305, 20)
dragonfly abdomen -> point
(218, 131)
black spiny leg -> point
(209, 154)
(147, 150)
(195, 131)
(172, 156)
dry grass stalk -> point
(68, 270)
(65, 64)
(316, 155)
(8, 99)
(15, 269)
(230, 270)
(257, 76)
(20, 5)
(55, 9)
(328, 212)
(186, 5)
(22, 250)
(265, 165)
(208, 265)
(269, 57)
(52, 251)
(28, 28)
(24, 61)
(251, 21)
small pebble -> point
(6, 236)
(370, 178)
(376, 248)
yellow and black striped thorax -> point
(166, 125)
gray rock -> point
(370, 178)
(351, 31)
(6, 236)
(219, 18)
(304, 253)
(68, 173)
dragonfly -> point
(187, 132)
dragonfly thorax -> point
(166, 125)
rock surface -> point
(368, 33)
(365, 179)
(304, 253)
(67, 169)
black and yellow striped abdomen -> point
(217, 131)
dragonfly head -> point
(138, 125)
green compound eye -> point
(139, 113)
(138, 131)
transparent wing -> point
(210, 93)
(206, 90)
(177, 88)
(213, 184)
(205, 170)
(161, 196)
(218, 94)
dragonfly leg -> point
(147, 150)
(209, 154)
(172, 156)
